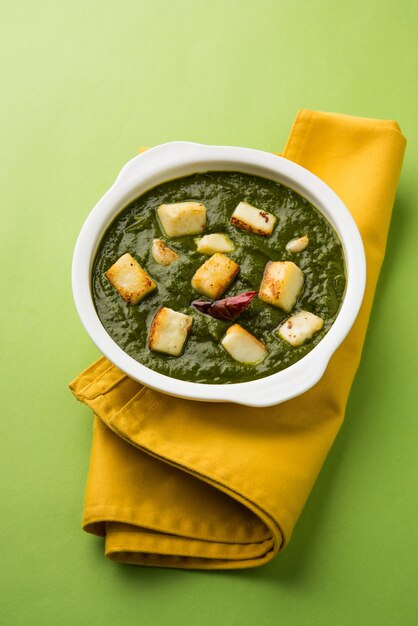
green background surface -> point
(83, 84)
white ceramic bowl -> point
(173, 160)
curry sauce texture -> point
(204, 359)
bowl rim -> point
(176, 159)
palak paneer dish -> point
(218, 277)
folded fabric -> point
(179, 483)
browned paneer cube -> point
(252, 219)
(169, 331)
(129, 279)
(243, 346)
(215, 275)
(300, 327)
(282, 283)
(182, 218)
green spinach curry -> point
(203, 355)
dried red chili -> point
(227, 309)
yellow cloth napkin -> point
(178, 483)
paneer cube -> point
(216, 242)
(248, 217)
(182, 218)
(215, 275)
(297, 245)
(282, 283)
(169, 331)
(300, 327)
(162, 254)
(129, 279)
(243, 346)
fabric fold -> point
(179, 483)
